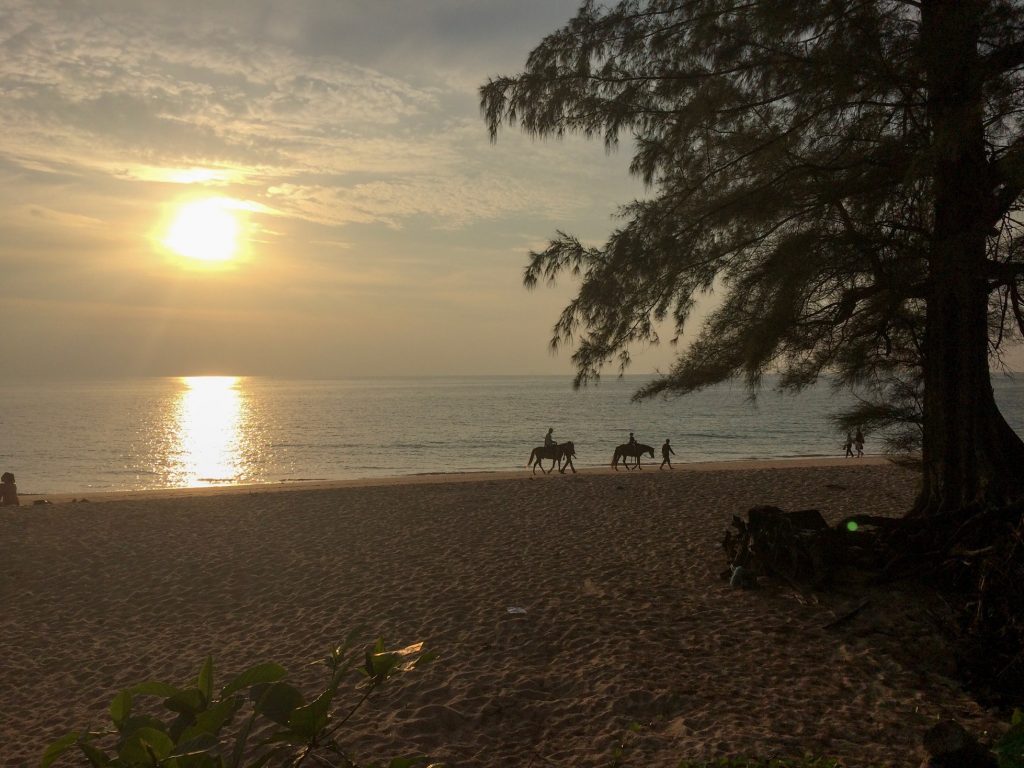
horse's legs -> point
(569, 464)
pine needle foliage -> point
(789, 153)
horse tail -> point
(529, 461)
(615, 457)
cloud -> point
(104, 87)
(348, 132)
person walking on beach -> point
(849, 446)
(8, 490)
(666, 450)
(549, 440)
(858, 440)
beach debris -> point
(38, 502)
(797, 547)
(515, 610)
(839, 621)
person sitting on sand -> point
(666, 449)
(848, 445)
(8, 491)
(549, 439)
(858, 440)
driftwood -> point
(797, 547)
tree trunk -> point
(970, 454)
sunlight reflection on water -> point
(208, 430)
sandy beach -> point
(632, 647)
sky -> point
(334, 147)
(377, 230)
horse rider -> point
(549, 440)
(632, 440)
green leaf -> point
(145, 743)
(425, 659)
(181, 723)
(214, 718)
(278, 702)
(309, 720)
(241, 741)
(120, 708)
(135, 722)
(96, 758)
(200, 745)
(189, 701)
(58, 748)
(261, 673)
(380, 665)
(154, 688)
(205, 680)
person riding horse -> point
(633, 449)
(558, 453)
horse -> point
(557, 453)
(626, 450)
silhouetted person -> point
(549, 440)
(666, 451)
(858, 440)
(849, 446)
(632, 440)
(8, 491)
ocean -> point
(76, 437)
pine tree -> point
(846, 173)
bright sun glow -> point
(205, 230)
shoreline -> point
(432, 478)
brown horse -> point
(557, 453)
(626, 450)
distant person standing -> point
(849, 445)
(549, 439)
(858, 440)
(666, 451)
(8, 491)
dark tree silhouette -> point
(847, 173)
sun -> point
(204, 230)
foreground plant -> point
(206, 729)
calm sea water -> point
(178, 432)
